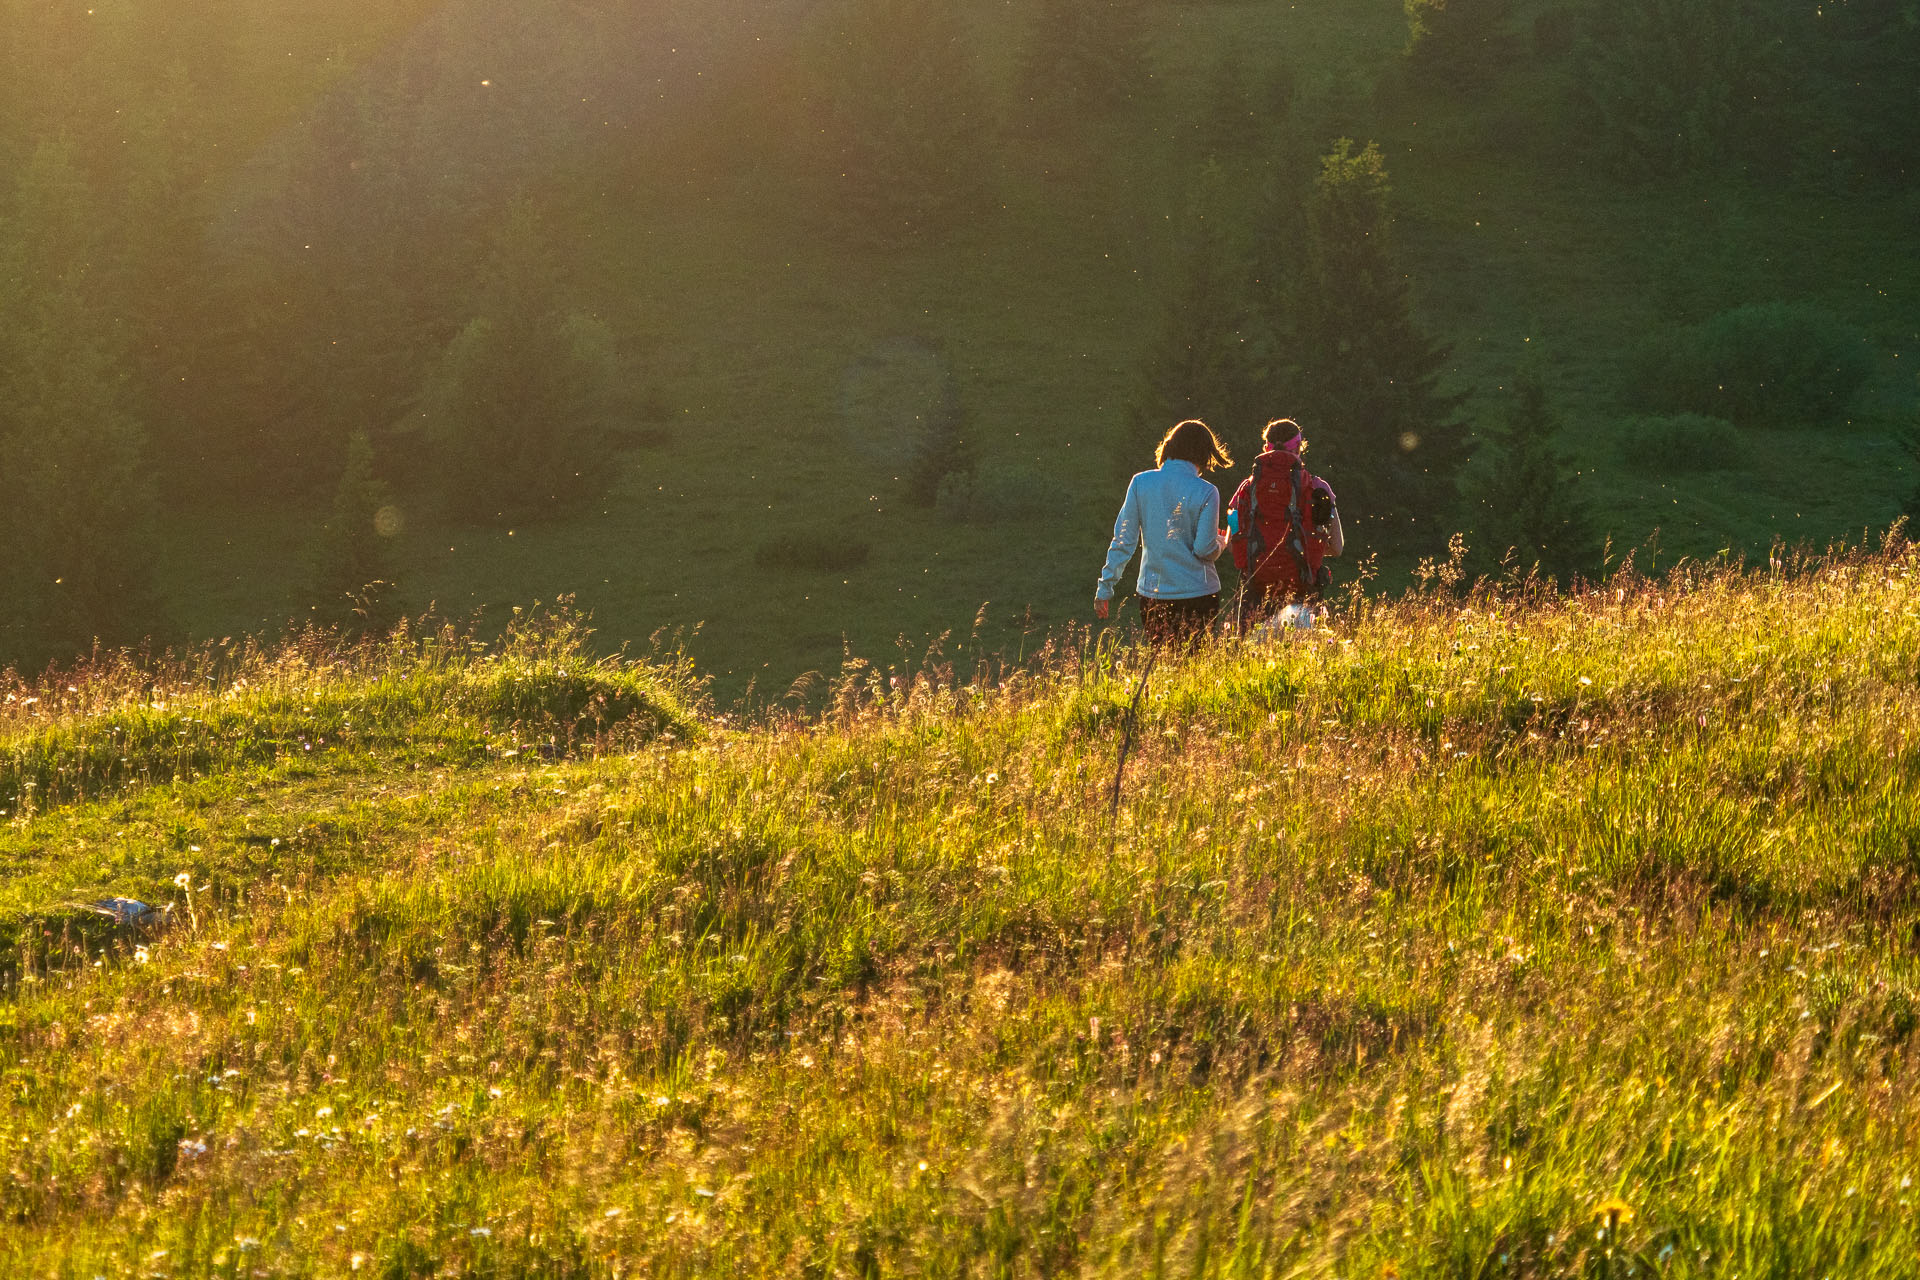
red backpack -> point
(1275, 545)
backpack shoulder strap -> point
(1296, 529)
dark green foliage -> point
(1909, 441)
(76, 521)
(1085, 60)
(1245, 109)
(942, 450)
(906, 119)
(516, 414)
(1555, 31)
(352, 578)
(1363, 378)
(1203, 365)
(998, 491)
(813, 552)
(1766, 364)
(1681, 442)
(1663, 82)
(1529, 504)
(1852, 70)
(1458, 47)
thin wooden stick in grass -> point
(1126, 735)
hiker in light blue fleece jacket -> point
(1172, 516)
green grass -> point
(741, 314)
(1411, 947)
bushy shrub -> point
(1765, 364)
(814, 552)
(1680, 442)
(997, 491)
(519, 409)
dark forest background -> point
(822, 322)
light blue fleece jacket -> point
(1173, 517)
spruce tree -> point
(1528, 506)
(76, 528)
(1202, 363)
(1662, 82)
(907, 118)
(1365, 380)
(942, 450)
(516, 413)
(352, 581)
(1086, 59)
(1456, 47)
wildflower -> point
(323, 1113)
(1614, 1210)
(183, 880)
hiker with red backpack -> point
(1172, 516)
(1285, 526)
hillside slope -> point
(1487, 936)
(775, 358)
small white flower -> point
(323, 1112)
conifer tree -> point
(1086, 60)
(1529, 503)
(75, 527)
(1456, 46)
(1202, 364)
(1662, 82)
(352, 580)
(1359, 368)
(907, 119)
(942, 450)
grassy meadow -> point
(746, 315)
(1477, 934)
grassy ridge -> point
(1476, 936)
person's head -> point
(1193, 441)
(1284, 433)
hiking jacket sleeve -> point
(1207, 542)
(1126, 538)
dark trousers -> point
(1178, 622)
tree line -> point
(256, 251)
